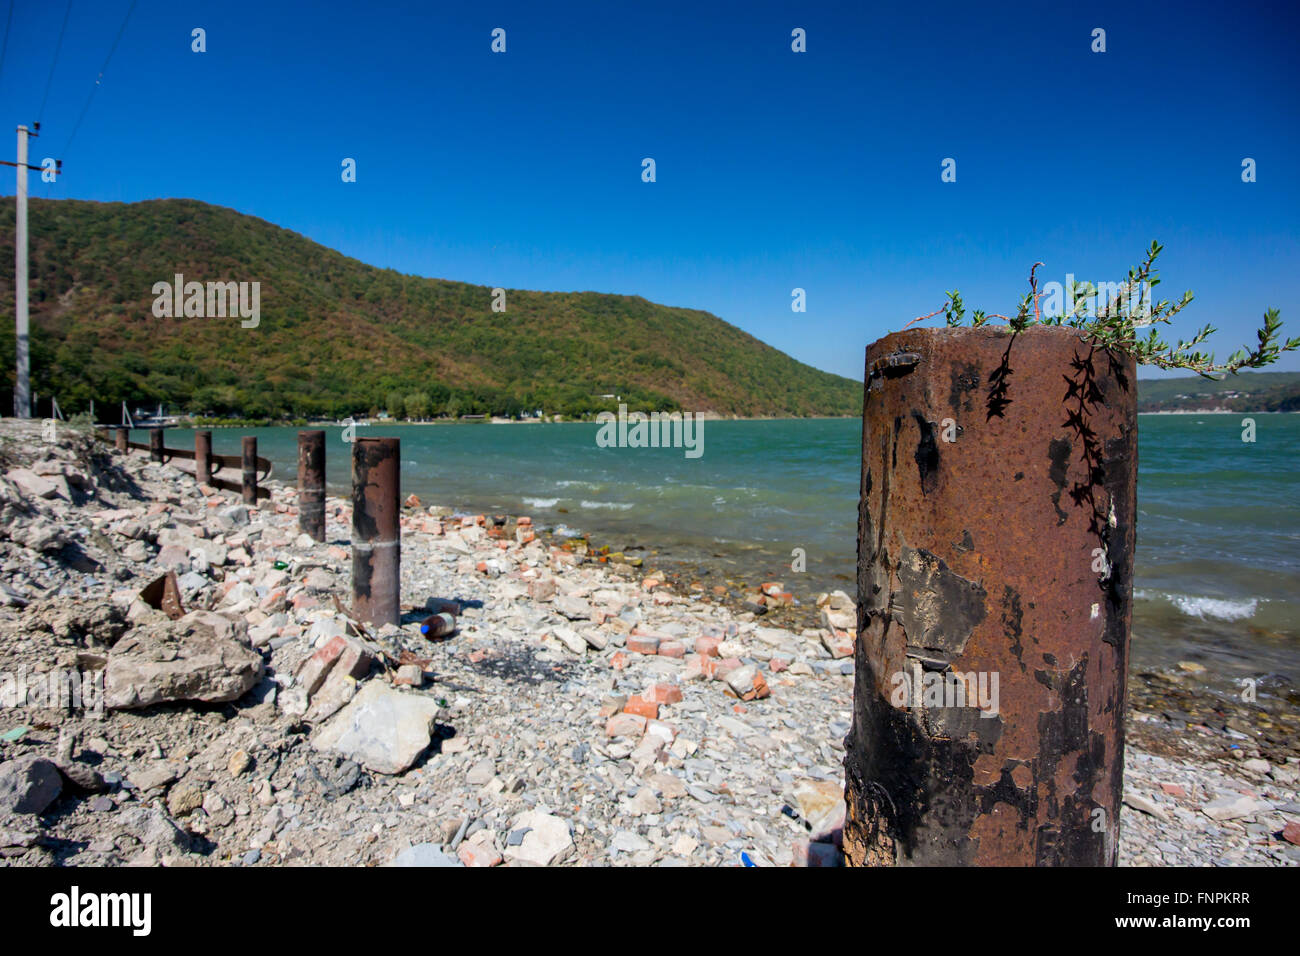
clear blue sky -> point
(775, 170)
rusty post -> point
(376, 530)
(249, 464)
(121, 438)
(311, 484)
(995, 567)
(155, 444)
(203, 457)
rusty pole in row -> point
(311, 484)
(376, 530)
(155, 444)
(120, 438)
(995, 568)
(203, 457)
(249, 467)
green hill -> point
(1244, 392)
(339, 337)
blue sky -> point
(775, 170)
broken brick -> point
(641, 707)
(663, 694)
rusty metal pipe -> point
(376, 530)
(155, 444)
(120, 439)
(995, 562)
(248, 485)
(203, 457)
(311, 484)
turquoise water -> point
(1218, 561)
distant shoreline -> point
(1214, 411)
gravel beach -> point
(582, 712)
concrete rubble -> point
(582, 713)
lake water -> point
(1218, 559)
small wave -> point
(1202, 607)
(612, 505)
(541, 502)
(1215, 607)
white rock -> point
(741, 679)
(570, 639)
(1140, 802)
(548, 837)
(32, 484)
(382, 729)
(1230, 807)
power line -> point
(55, 62)
(103, 68)
(5, 45)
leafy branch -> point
(1118, 324)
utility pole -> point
(22, 383)
(22, 380)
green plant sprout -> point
(1118, 325)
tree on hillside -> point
(395, 405)
(417, 406)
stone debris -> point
(583, 711)
(178, 661)
(383, 729)
(544, 839)
(424, 854)
(28, 785)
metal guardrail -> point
(217, 462)
(156, 449)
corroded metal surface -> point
(376, 530)
(155, 444)
(203, 456)
(995, 543)
(164, 594)
(120, 439)
(248, 483)
(311, 483)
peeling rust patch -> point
(1013, 622)
(939, 607)
(927, 454)
(1058, 453)
(965, 379)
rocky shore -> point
(581, 713)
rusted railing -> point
(249, 484)
(376, 508)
